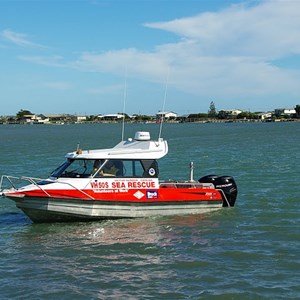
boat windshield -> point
(74, 168)
(59, 170)
(83, 168)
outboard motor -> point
(224, 183)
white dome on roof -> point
(142, 136)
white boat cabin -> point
(134, 158)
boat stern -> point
(225, 184)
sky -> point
(90, 57)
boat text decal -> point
(123, 185)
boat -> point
(119, 182)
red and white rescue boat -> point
(121, 182)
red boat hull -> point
(72, 206)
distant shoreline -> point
(154, 122)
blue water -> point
(250, 251)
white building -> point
(111, 117)
(166, 115)
(289, 111)
(225, 113)
(80, 118)
(233, 112)
(265, 115)
(40, 119)
(285, 112)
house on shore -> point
(265, 115)
(34, 119)
(285, 112)
(169, 115)
(111, 117)
(80, 119)
(229, 113)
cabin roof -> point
(130, 149)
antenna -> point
(164, 104)
(124, 101)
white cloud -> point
(19, 39)
(270, 29)
(130, 61)
(54, 61)
(225, 54)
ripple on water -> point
(247, 252)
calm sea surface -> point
(250, 251)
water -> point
(250, 251)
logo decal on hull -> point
(152, 194)
(151, 171)
(139, 195)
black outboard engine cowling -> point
(224, 183)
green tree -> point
(212, 112)
(297, 109)
(247, 115)
(22, 113)
(142, 118)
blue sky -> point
(87, 56)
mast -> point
(124, 102)
(164, 104)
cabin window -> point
(83, 168)
(133, 168)
(108, 168)
(74, 168)
(128, 168)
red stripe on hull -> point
(132, 195)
